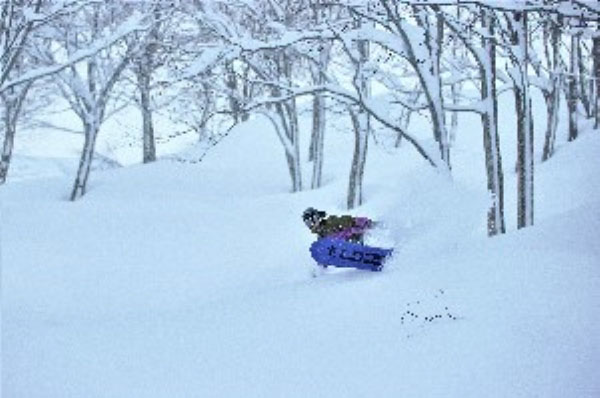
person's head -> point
(312, 217)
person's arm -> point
(363, 222)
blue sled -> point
(344, 254)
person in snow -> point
(344, 227)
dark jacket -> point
(342, 227)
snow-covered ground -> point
(194, 280)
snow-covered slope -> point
(193, 280)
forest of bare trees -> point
(231, 59)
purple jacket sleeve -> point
(361, 224)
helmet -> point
(312, 216)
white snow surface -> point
(194, 280)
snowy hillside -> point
(194, 280)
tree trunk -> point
(524, 122)
(360, 121)
(289, 113)
(524, 158)
(596, 52)
(91, 128)
(144, 68)
(7, 148)
(455, 87)
(491, 138)
(552, 100)
(572, 96)
(362, 129)
(319, 109)
(436, 110)
(231, 82)
(289, 134)
(149, 146)
(318, 140)
(207, 109)
(287, 126)
(583, 87)
(431, 80)
(246, 92)
(13, 99)
(552, 96)
(295, 163)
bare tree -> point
(15, 32)
(152, 50)
(484, 53)
(254, 39)
(88, 87)
(422, 48)
(20, 24)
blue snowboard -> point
(344, 254)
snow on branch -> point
(133, 24)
